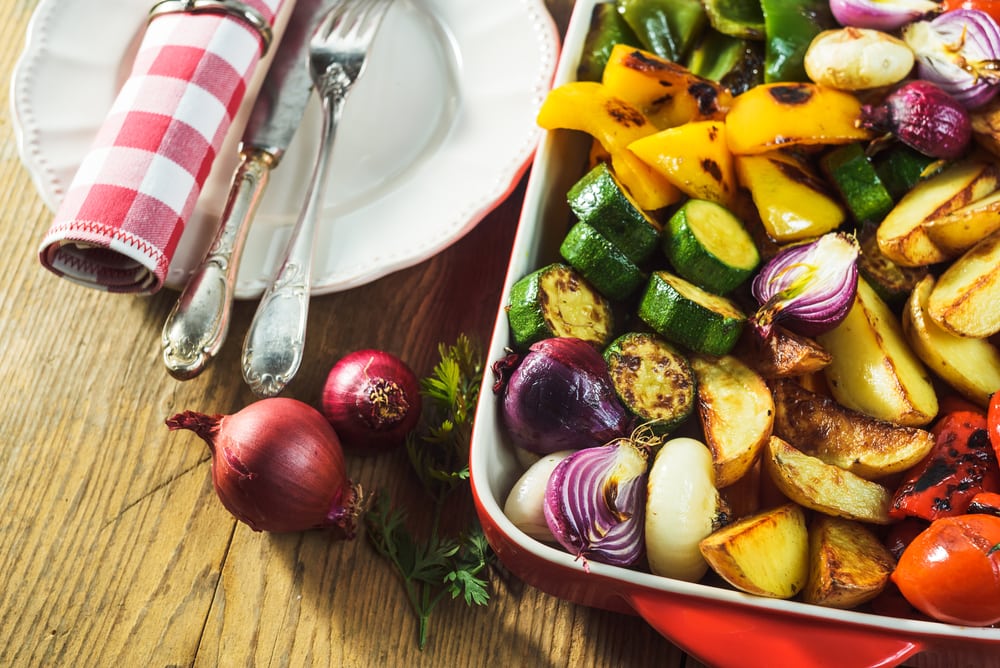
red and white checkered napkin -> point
(124, 212)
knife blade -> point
(196, 327)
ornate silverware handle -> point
(198, 323)
(272, 350)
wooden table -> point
(114, 550)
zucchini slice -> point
(557, 301)
(709, 246)
(901, 167)
(685, 314)
(602, 263)
(600, 200)
(859, 185)
(653, 379)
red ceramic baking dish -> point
(692, 616)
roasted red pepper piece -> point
(961, 465)
(985, 503)
(993, 422)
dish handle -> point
(733, 636)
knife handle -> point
(197, 325)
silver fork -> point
(272, 350)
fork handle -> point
(196, 327)
(275, 342)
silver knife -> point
(197, 325)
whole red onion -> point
(923, 117)
(560, 397)
(277, 466)
(372, 399)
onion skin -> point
(809, 288)
(560, 397)
(277, 465)
(372, 400)
(887, 16)
(595, 503)
(959, 52)
(923, 117)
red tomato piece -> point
(951, 571)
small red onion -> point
(887, 15)
(277, 466)
(959, 51)
(923, 117)
(595, 503)
(560, 396)
(808, 288)
(372, 399)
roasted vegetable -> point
(964, 300)
(902, 235)
(792, 114)
(736, 412)
(819, 426)
(825, 488)
(559, 397)
(951, 571)
(848, 565)
(793, 203)
(667, 93)
(588, 106)
(653, 380)
(924, 117)
(695, 158)
(789, 28)
(961, 464)
(874, 371)
(683, 507)
(766, 554)
(970, 366)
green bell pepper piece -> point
(607, 28)
(737, 64)
(667, 28)
(789, 27)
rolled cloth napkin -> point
(124, 212)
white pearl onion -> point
(525, 502)
(682, 507)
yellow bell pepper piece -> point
(793, 203)
(668, 94)
(587, 106)
(694, 157)
(770, 116)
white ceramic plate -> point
(437, 132)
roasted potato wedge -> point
(825, 488)
(848, 564)
(765, 554)
(960, 230)
(874, 371)
(966, 297)
(901, 235)
(970, 366)
(821, 427)
(736, 411)
(785, 353)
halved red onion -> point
(595, 503)
(960, 52)
(885, 15)
(808, 287)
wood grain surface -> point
(113, 548)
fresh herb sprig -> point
(438, 565)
